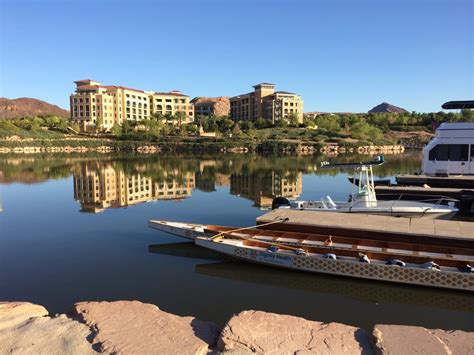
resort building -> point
(98, 188)
(217, 106)
(266, 103)
(263, 188)
(172, 103)
(94, 104)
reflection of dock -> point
(370, 291)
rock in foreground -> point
(403, 339)
(268, 333)
(132, 327)
(25, 329)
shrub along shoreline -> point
(195, 145)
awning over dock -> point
(458, 105)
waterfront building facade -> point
(265, 102)
(94, 104)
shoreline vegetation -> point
(326, 133)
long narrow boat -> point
(426, 261)
(421, 247)
(444, 272)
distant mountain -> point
(28, 107)
(386, 107)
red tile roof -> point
(121, 87)
(172, 93)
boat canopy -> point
(456, 105)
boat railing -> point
(438, 200)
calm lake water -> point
(75, 229)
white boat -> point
(364, 200)
(180, 229)
(451, 151)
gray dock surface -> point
(356, 223)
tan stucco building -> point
(95, 104)
(266, 103)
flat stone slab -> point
(403, 339)
(132, 327)
(25, 329)
(256, 332)
(14, 313)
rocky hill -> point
(28, 107)
(220, 106)
(386, 107)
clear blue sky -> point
(339, 55)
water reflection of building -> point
(109, 187)
(262, 188)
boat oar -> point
(279, 220)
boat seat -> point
(330, 202)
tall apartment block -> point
(94, 103)
(267, 103)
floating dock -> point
(411, 230)
(458, 181)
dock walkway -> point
(456, 233)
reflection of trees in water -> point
(33, 170)
(40, 168)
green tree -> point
(467, 115)
(246, 125)
(180, 117)
(252, 133)
(116, 129)
(225, 125)
(293, 119)
(282, 122)
(261, 123)
(99, 124)
(236, 129)
(126, 126)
